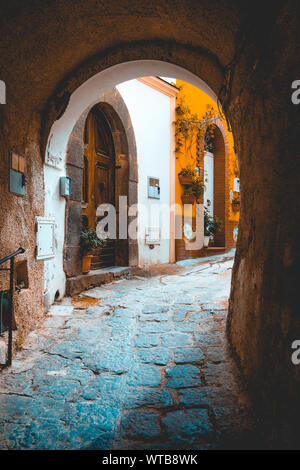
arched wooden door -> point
(99, 185)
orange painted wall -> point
(199, 102)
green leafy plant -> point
(211, 224)
(192, 132)
(187, 171)
(197, 187)
(89, 241)
(215, 225)
(194, 186)
(207, 218)
(209, 139)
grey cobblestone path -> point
(147, 367)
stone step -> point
(95, 278)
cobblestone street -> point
(141, 363)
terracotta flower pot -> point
(86, 263)
(235, 206)
(206, 241)
(188, 199)
(185, 180)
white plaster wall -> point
(149, 110)
(169, 80)
(54, 275)
(209, 181)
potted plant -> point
(188, 197)
(235, 203)
(211, 226)
(193, 183)
(215, 224)
(197, 188)
(207, 233)
(89, 241)
(186, 176)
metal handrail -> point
(10, 257)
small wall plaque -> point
(17, 178)
(153, 187)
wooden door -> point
(100, 155)
(104, 193)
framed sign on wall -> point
(153, 188)
(17, 178)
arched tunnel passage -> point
(263, 318)
(85, 96)
(101, 357)
(95, 85)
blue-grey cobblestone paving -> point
(147, 367)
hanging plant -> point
(193, 134)
(197, 188)
(186, 176)
(188, 198)
(235, 203)
(188, 171)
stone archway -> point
(87, 94)
(113, 107)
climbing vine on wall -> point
(192, 133)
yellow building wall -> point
(199, 102)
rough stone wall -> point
(17, 226)
(264, 314)
(249, 58)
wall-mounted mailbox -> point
(45, 237)
(153, 188)
(17, 178)
(65, 186)
(152, 235)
